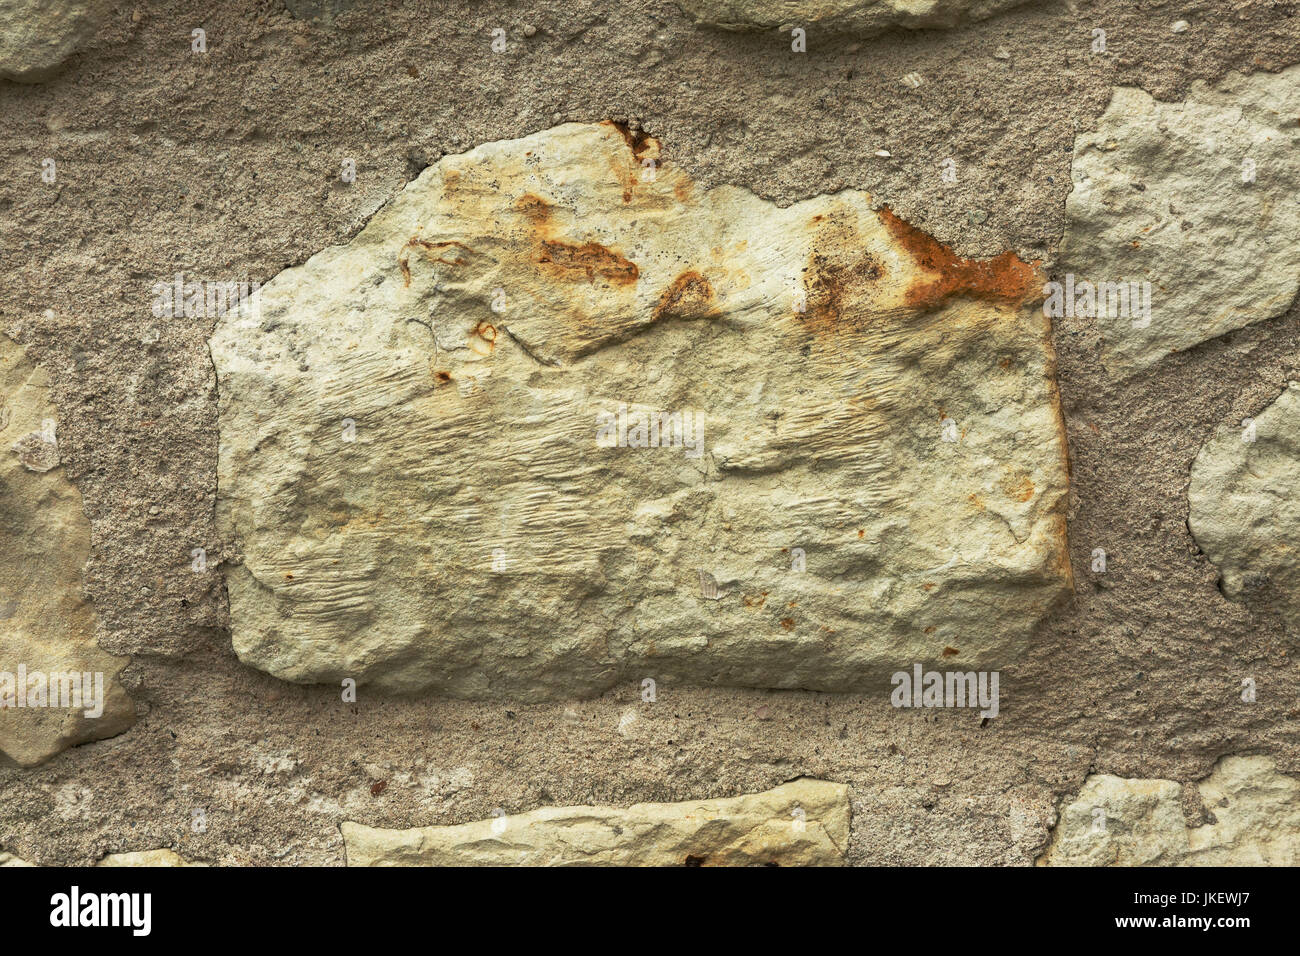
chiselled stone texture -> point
(36, 36)
(863, 17)
(46, 625)
(1254, 821)
(804, 823)
(418, 468)
(1159, 197)
(1243, 509)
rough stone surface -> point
(862, 17)
(855, 391)
(1159, 197)
(46, 624)
(1243, 508)
(146, 858)
(1251, 818)
(226, 166)
(805, 823)
(36, 36)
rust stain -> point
(433, 252)
(571, 260)
(1018, 490)
(950, 652)
(838, 277)
(787, 623)
(590, 259)
(638, 141)
(1004, 278)
(688, 296)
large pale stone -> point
(805, 823)
(36, 36)
(477, 537)
(1159, 197)
(46, 625)
(1132, 822)
(865, 17)
(1243, 510)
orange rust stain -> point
(1020, 490)
(976, 500)
(442, 377)
(590, 259)
(1004, 278)
(756, 601)
(787, 623)
(928, 585)
(930, 629)
(570, 260)
(638, 141)
(486, 331)
(537, 209)
(689, 295)
(950, 652)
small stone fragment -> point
(1243, 509)
(48, 654)
(1189, 208)
(1133, 822)
(36, 36)
(804, 823)
(861, 17)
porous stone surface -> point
(1252, 818)
(420, 436)
(47, 628)
(1243, 509)
(805, 823)
(36, 36)
(137, 858)
(862, 17)
(1195, 197)
(225, 166)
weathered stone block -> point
(805, 823)
(443, 461)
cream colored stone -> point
(1242, 506)
(1129, 822)
(1159, 198)
(147, 858)
(46, 625)
(8, 859)
(36, 36)
(412, 467)
(805, 823)
(864, 17)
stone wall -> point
(699, 433)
